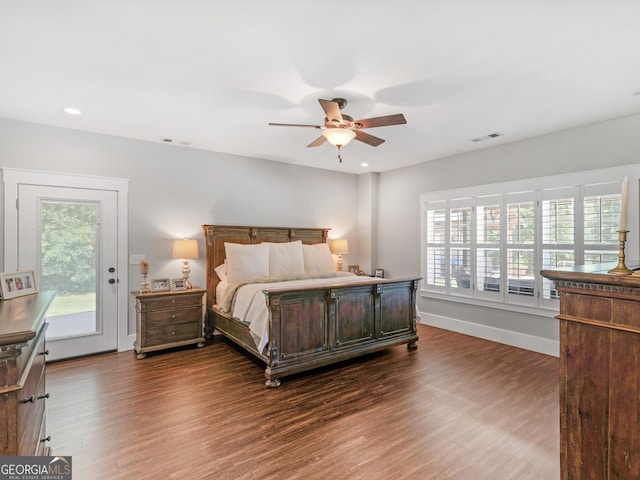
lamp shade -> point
(339, 246)
(185, 249)
(339, 137)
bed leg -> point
(412, 345)
(272, 382)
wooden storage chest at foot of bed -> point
(169, 319)
(317, 327)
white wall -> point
(606, 144)
(174, 190)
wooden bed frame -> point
(317, 326)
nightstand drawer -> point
(178, 301)
(159, 318)
(172, 333)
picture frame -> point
(178, 284)
(17, 284)
(160, 285)
(379, 273)
(354, 269)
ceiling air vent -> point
(487, 137)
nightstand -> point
(169, 319)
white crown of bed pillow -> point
(318, 258)
(285, 258)
(246, 261)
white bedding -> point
(249, 304)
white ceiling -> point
(214, 73)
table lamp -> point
(339, 246)
(185, 249)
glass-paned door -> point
(70, 237)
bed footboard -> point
(313, 327)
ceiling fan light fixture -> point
(339, 137)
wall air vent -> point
(487, 137)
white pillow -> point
(220, 288)
(318, 258)
(246, 261)
(285, 258)
(221, 270)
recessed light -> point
(72, 111)
(364, 164)
(486, 137)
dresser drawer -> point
(33, 388)
(31, 402)
(159, 318)
(33, 424)
(172, 333)
(177, 301)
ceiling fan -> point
(339, 129)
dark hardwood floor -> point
(456, 408)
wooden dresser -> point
(599, 373)
(22, 375)
(169, 319)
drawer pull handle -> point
(48, 439)
(173, 333)
(173, 316)
(46, 352)
(46, 395)
(31, 399)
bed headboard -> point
(216, 235)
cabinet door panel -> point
(303, 326)
(624, 399)
(396, 312)
(355, 312)
(586, 386)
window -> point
(488, 234)
(491, 246)
(601, 220)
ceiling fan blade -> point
(331, 110)
(293, 125)
(397, 119)
(318, 141)
(368, 139)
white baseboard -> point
(126, 343)
(507, 337)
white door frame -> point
(12, 177)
